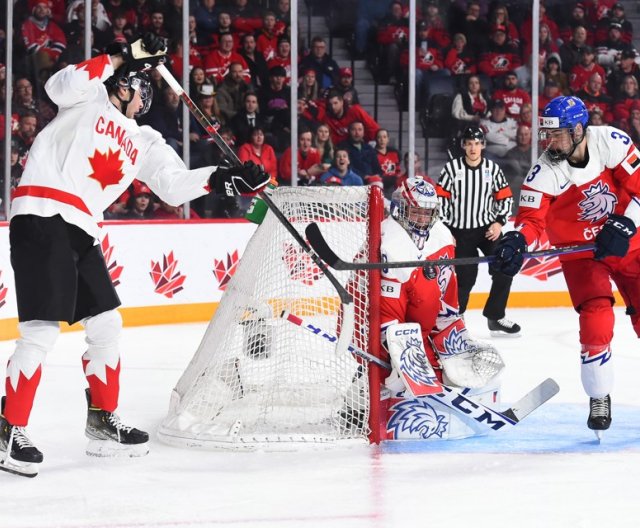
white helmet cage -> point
(415, 206)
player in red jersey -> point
(585, 188)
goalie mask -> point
(415, 206)
(133, 82)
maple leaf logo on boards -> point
(225, 270)
(112, 267)
(107, 167)
(3, 292)
(542, 268)
(167, 280)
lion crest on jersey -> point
(417, 418)
(414, 363)
(599, 202)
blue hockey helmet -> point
(564, 112)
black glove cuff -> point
(118, 48)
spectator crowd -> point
(240, 77)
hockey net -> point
(259, 382)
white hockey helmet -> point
(415, 206)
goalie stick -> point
(452, 397)
(348, 317)
(321, 247)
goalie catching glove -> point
(244, 179)
(143, 54)
(466, 362)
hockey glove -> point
(143, 54)
(245, 179)
(509, 254)
(613, 239)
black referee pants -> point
(468, 242)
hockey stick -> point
(452, 397)
(321, 247)
(348, 316)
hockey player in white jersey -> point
(78, 165)
(585, 188)
(429, 296)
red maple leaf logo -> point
(95, 67)
(107, 167)
(3, 293)
(168, 281)
(225, 270)
(114, 270)
(300, 265)
(542, 268)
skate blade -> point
(500, 333)
(113, 449)
(23, 469)
(599, 434)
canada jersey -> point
(409, 294)
(87, 156)
(573, 203)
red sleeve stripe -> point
(441, 192)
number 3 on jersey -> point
(533, 173)
(619, 135)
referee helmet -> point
(472, 132)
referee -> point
(475, 201)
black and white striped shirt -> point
(472, 197)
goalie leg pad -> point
(465, 361)
(409, 359)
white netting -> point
(258, 380)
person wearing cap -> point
(199, 138)
(340, 169)
(628, 65)
(615, 15)
(345, 86)
(587, 66)
(512, 95)
(498, 58)
(609, 50)
(140, 202)
(320, 61)
(274, 100)
(43, 39)
(500, 130)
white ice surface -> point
(547, 472)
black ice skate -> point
(110, 438)
(599, 415)
(503, 328)
(18, 455)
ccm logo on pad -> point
(530, 199)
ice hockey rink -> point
(546, 472)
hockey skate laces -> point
(600, 407)
(114, 420)
(19, 436)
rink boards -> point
(171, 272)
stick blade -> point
(320, 246)
(533, 399)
